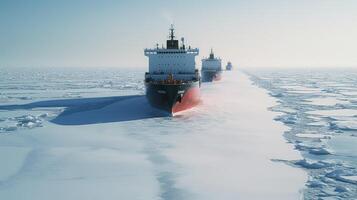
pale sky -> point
(250, 33)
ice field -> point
(320, 109)
(90, 134)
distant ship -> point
(211, 68)
(173, 82)
(229, 66)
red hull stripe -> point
(190, 99)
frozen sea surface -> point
(90, 134)
(320, 109)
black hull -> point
(209, 76)
(173, 97)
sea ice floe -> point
(315, 150)
(278, 94)
(329, 194)
(319, 151)
(326, 180)
(334, 113)
(349, 93)
(24, 121)
(29, 121)
(341, 118)
(347, 176)
(326, 101)
(312, 135)
(343, 125)
(316, 184)
(283, 110)
(312, 165)
(287, 119)
(300, 89)
(347, 180)
(340, 189)
(329, 90)
(302, 146)
(351, 178)
(318, 123)
(298, 92)
(342, 106)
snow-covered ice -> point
(332, 113)
(91, 135)
(325, 101)
(231, 159)
(312, 135)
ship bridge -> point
(175, 59)
(212, 62)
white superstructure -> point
(212, 63)
(174, 60)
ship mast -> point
(172, 33)
(211, 55)
(172, 43)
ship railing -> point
(163, 51)
(171, 78)
(170, 82)
(210, 59)
(212, 69)
(176, 76)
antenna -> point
(172, 32)
(211, 55)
